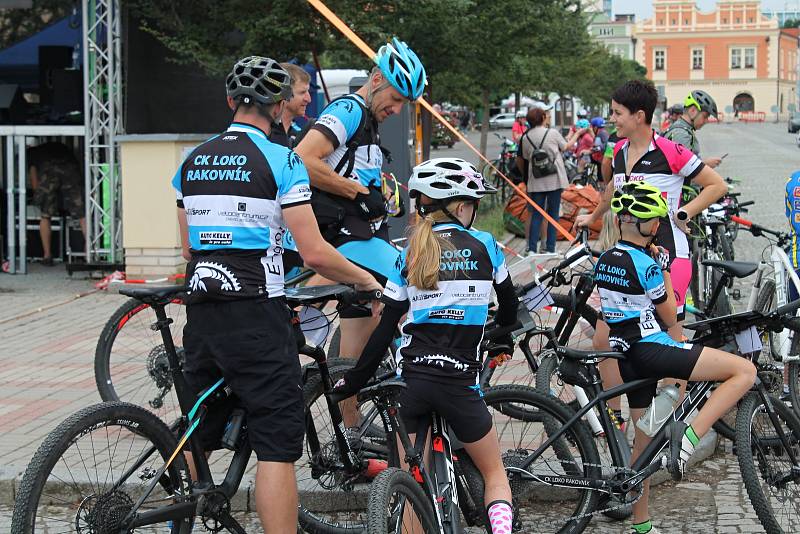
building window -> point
(749, 58)
(743, 58)
(674, 22)
(697, 59)
(736, 58)
(660, 57)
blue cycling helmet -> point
(582, 123)
(598, 122)
(402, 68)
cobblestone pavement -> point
(50, 324)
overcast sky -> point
(644, 8)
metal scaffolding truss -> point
(102, 81)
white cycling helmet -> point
(448, 179)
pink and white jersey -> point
(668, 166)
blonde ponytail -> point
(425, 251)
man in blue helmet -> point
(343, 155)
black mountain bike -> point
(116, 467)
(557, 460)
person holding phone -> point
(697, 109)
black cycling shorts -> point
(250, 344)
(662, 357)
(462, 407)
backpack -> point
(576, 200)
(540, 163)
(329, 210)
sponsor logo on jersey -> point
(293, 160)
(216, 238)
(426, 296)
(195, 211)
(450, 313)
(645, 162)
(230, 138)
(797, 204)
(652, 272)
(796, 192)
(797, 217)
(241, 206)
(235, 216)
(206, 270)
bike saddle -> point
(573, 354)
(737, 269)
(387, 388)
(315, 294)
(153, 294)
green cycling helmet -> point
(640, 199)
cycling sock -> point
(643, 527)
(500, 517)
(691, 435)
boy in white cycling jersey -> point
(638, 305)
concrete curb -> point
(244, 500)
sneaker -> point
(680, 449)
(653, 530)
(47, 262)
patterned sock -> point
(691, 435)
(500, 517)
(643, 528)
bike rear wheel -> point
(332, 501)
(94, 466)
(130, 361)
(765, 465)
(524, 419)
(397, 504)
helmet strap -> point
(639, 229)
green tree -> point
(791, 23)
(17, 24)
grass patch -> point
(490, 219)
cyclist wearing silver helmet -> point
(697, 108)
(343, 155)
(237, 194)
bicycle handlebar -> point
(787, 309)
(754, 228)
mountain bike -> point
(505, 162)
(115, 467)
(556, 459)
(771, 289)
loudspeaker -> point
(67, 91)
(50, 59)
(12, 105)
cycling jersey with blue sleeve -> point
(444, 326)
(630, 283)
(339, 123)
(233, 189)
(792, 195)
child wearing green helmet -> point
(638, 303)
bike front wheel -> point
(93, 468)
(397, 504)
(524, 419)
(769, 475)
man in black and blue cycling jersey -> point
(343, 155)
(238, 194)
(639, 307)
